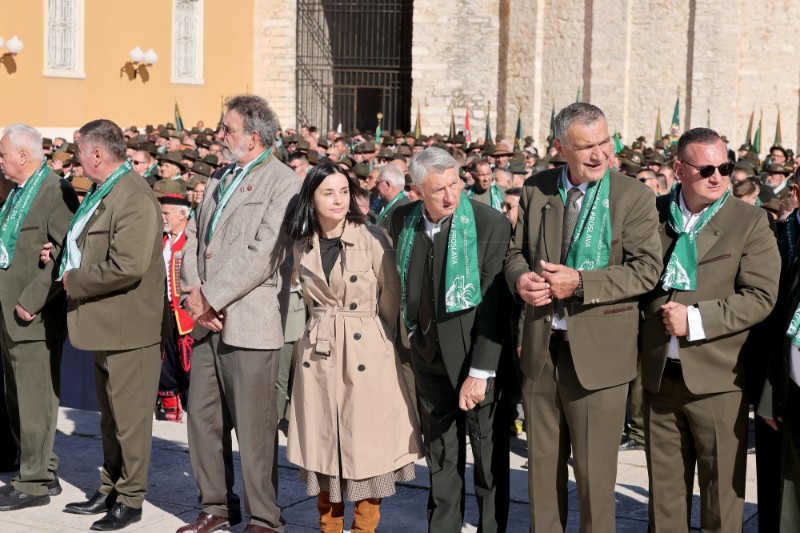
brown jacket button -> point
(353, 278)
(353, 306)
(361, 368)
(306, 364)
(357, 336)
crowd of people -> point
(401, 295)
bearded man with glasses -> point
(720, 279)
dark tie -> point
(571, 211)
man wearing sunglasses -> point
(720, 275)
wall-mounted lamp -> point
(138, 64)
(14, 46)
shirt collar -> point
(568, 185)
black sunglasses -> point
(707, 171)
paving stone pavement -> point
(172, 498)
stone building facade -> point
(722, 59)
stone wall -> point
(455, 57)
(275, 56)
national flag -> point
(466, 127)
(618, 146)
(676, 119)
(418, 125)
(378, 130)
(488, 135)
(452, 125)
(552, 128)
(778, 139)
(519, 142)
(757, 139)
(749, 136)
(658, 134)
(178, 119)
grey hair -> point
(24, 136)
(104, 134)
(431, 160)
(258, 116)
(393, 174)
(579, 112)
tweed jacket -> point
(243, 269)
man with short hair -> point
(484, 190)
(113, 273)
(457, 313)
(511, 206)
(648, 177)
(720, 279)
(581, 269)
(32, 321)
(298, 162)
(143, 164)
(235, 248)
(391, 182)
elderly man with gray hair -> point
(586, 247)
(454, 302)
(390, 184)
(32, 320)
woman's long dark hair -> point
(301, 222)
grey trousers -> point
(231, 389)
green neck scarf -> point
(462, 278)
(388, 206)
(224, 193)
(496, 197)
(71, 254)
(14, 212)
(681, 271)
(590, 246)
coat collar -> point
(552, 218)
(242, 194)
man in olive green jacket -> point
(32, 312)
(116, 285)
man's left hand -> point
(675, 318)
(64, 281)
(563, 280)
(472, 392)
(195, 304)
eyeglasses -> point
(706, 171)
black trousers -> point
(8, 447)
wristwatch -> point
(578, 292)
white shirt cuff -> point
(481, 374)
(696, 331)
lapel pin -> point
(241, 189)
(249, 187)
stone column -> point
(275, 56)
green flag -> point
(488, 135)
(178, 119)
(778, 140)
(676, 119)
(658, 134)
(578, 96)
(749, 136)
(378, 130)
(757, 140)
(552, 128)
(519, 142)
(618, 146)
(418, 125)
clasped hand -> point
(555, 282)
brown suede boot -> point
(366, 515)
(331, 515)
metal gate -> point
(353, 62)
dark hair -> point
(294, 156)
(514, 191)
(301, 223)
(696, 136)
(104, 134)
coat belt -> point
(325, 323)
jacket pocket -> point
(714, 259)
(98, 232)
(617, 310)
(29, 228)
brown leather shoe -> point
(205, 523)
(252, 528)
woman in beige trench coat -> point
(352, 428)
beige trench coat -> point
(347, 377)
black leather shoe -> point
(118, 517)
(99, 503)
(54, 487)
(11, 499)
(628, 443)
